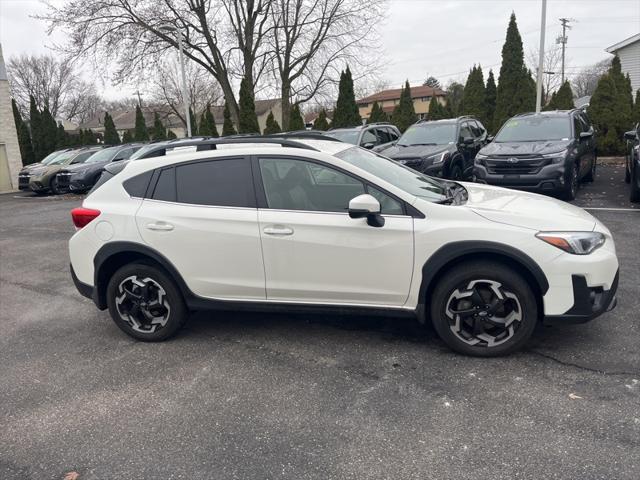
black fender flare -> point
(451, 252)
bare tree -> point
(312, 41)
(167, 89)
(130, 33)
(53, 83)
(585, 82)
(551, 77)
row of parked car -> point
(549, 152)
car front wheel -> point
(484, 309)
(145, 303)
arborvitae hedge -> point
(111, 136)
(127, 137)
(272, 125)
(346, 113)
(378, 114)
(24, 137)
(140, 134)
(248, 120)
(158, 132)
(562, 99)
(404, 114)
(227, 126)
(296, 122)
(436, 110)
(474, 98)
(322, 122)
(490, 102)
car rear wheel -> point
(634, 196)
(456, 172)
(484, 309)
(145, 303)
(591, 176)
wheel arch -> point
(455, 253)
(115, 255)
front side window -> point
(347, 136)
(368, 137)
(465, 131)
(300, 185)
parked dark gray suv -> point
(440, 148)
(547, 152)
(371, 136)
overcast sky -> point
(422, 37)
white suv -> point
(307, 224)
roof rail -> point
(303, 134)
(211, 144)
(378, 123)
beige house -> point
(263, 107)
(126, 120)
(628, 51)
(388, 99)
(10, 159)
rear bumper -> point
(84, 289)
(588, 302)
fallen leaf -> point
(573, 396)
(72, 476)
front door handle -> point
(278, 230)
(160, 226)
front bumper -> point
(588, 302)
(549, 178)
(23, 181)
(38, 185)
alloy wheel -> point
(483, 313)
(142, 304)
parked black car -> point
(440, 148)
(632, 164)
(80, 178)
(547, 152)
(371, 136)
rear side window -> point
(137, 186)
(226, 183)
(165, 188)
(392, 134)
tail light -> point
(82, 216)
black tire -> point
(572, 184)
(634, 195)
(627, 173)
(53, 186)
(591, 176)
(456, 172)
(517, 306)
(169, 306)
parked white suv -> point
(308, 224)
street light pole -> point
(185, 91)
(543, 26)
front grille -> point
(23, 180)
(63, 179)
(516, 165)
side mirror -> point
(468, 140)
(587, 134)
(490, 138)
(368, 145)
(630, 135)
(366, 206)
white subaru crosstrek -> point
(310, 224)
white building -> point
(628, 51)
(10, 159)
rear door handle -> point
(278, 230)
(160, 226)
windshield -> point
(51, 157)
(429, 133)
(63, 157)
(398, 175)
(144, 150)
(103, 155)
(347, 136)
(535, 128)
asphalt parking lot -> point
(243, 396)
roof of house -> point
(624, 43)
(393, 94)
(126, 119)
(311, 116)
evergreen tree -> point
(322, 123)
(455, 92)
(158, 132)
(62, 138)
(624, 100)
(490, 101)
(602, 110)
(436, 110)
(49, 129)
(227, 126)
(346, 113)
(296, 122)
(404, 113)
(636, 109)
(516, 88)
(562, 99)
(474, 99)
(208, 123)
(140, 134)
(248, 120)
(272, 125)
(37, 136)
(194, 123)
(127, 137)
(377, 114)
(90, 137)
(111, 136)
(24, 138)
(171, 135)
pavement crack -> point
(582, 367)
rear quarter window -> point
(137, 186)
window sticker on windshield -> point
(514, 123)
(565, 139)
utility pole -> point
(563, 40)
(543, 27)
(185, 91)
(139, 93)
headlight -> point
(562, 154)
(481, 156)
(439, 158)
(577, 243)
